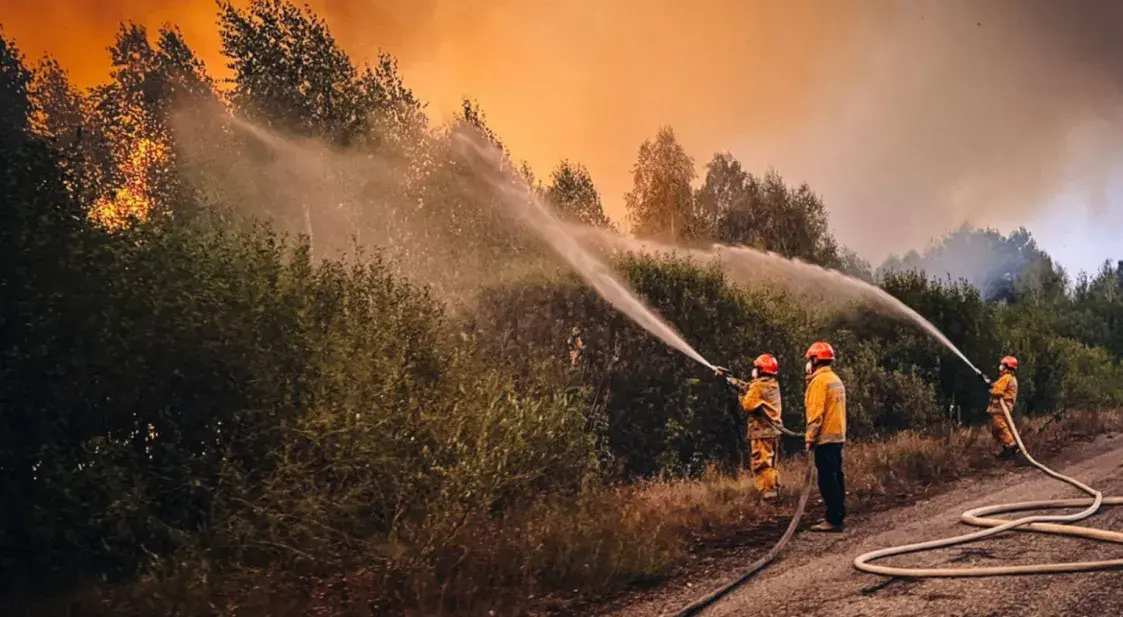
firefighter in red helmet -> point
(1004, 390)
(825, 406)
(761, 401)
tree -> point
(768, 214)
(43, 238)
(153, 89)
(472, 116)
(58, 106)
(138, 175)
(181, 76)
(395, 119)
(289, 72)
(575, 196)
(1097, 310)
(791, 221)
(852, 264)
(15, 106)
(291, 77)
(62, 118)
(661, 202)
(723, 200)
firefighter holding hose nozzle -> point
(760, 399)
(762, 403)
(825, 405)
(1005, 388)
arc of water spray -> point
(538, 216)
(746, 265)
(741, 262)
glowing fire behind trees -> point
(135, 199)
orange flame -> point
(134, 200)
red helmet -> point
(820, 351)
(1009, 362)
(766, 363)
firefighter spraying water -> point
(762, 402)
(824, 401)
(1003, 394)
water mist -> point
(529, 207)
(747, 265)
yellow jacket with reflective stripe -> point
(825, 404)
(761, 401)
(1003, 388)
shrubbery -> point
(218, 390)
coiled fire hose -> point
(705, 601)
(1041, 523)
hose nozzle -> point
(983, 377)
(727, 375)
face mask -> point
(808, 367)
(756, 374)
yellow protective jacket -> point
(825, 404)
(1003, 388)
(762, 401)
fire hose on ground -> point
(979, 517)
(705, 601)
(1041, 523)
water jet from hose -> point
(746, 265)
(530, 208)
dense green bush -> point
(220, 383)
(881, 400)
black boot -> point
(1019, 457)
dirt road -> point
(814, 576)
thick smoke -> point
(909, 116)
(984, 112)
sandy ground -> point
(814, 576)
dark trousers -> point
(832, 482)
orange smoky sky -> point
(583, 79)
(910, 117)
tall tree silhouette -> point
(661, 202)
(575, 196)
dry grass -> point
(604, 541)
(639, 534)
